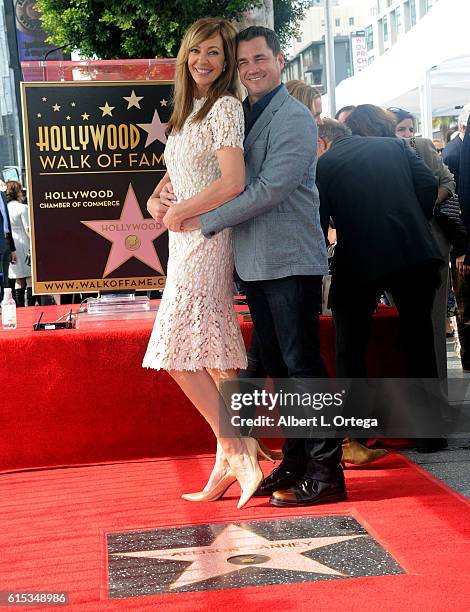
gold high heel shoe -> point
(215, 493)
(356, 453)
(253, 450)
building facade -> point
(307, 54)
(389, 20)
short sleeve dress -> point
(196, 326)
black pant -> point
(285, 314)
(413, 291)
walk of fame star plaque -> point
(95, 154)
(242, 554)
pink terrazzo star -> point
(132, 235)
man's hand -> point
(167, 195)
(462, 268)
(189, 225)
(158, 205)
(156, 208)
(13, 257)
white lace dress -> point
(196, 326)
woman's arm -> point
(230, 184)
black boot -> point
(30, 299)
(19, 297)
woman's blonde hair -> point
(227, 82)
(303, 92)
(14, 191)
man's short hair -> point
(464, 114)
(331, 130)
(269, 36)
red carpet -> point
(54, 525)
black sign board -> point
(95, 154)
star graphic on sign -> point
(132, 235)
(39, 115)
(163, 102)
(44, 99)
(56, 108)
(107, 110)
(68, 117)
(237, 548)
(155, 130)
(133, 100)
(85, 116)
(72, 104)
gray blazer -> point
(276, 221)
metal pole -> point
(330, 58)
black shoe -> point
(431, 445)
(282, 477)
(310, 492)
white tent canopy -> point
(426, 72)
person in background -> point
(403, 257)
(460, 279)
(451, 153)
(344, 113)
(308, 95)
(7, 244)
(424, 148)
(21, 269)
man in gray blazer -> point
(280, 255)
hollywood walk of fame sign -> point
(95, 154)
(234, 555)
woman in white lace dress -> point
(196, 336)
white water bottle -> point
(8, 310)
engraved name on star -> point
(155, 130)
(107, 110)
(212, 561)
(132, 235)
(133, 100)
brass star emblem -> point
(133, 100)
(107, 110)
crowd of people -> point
(252, 168)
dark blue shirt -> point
(253, 112)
